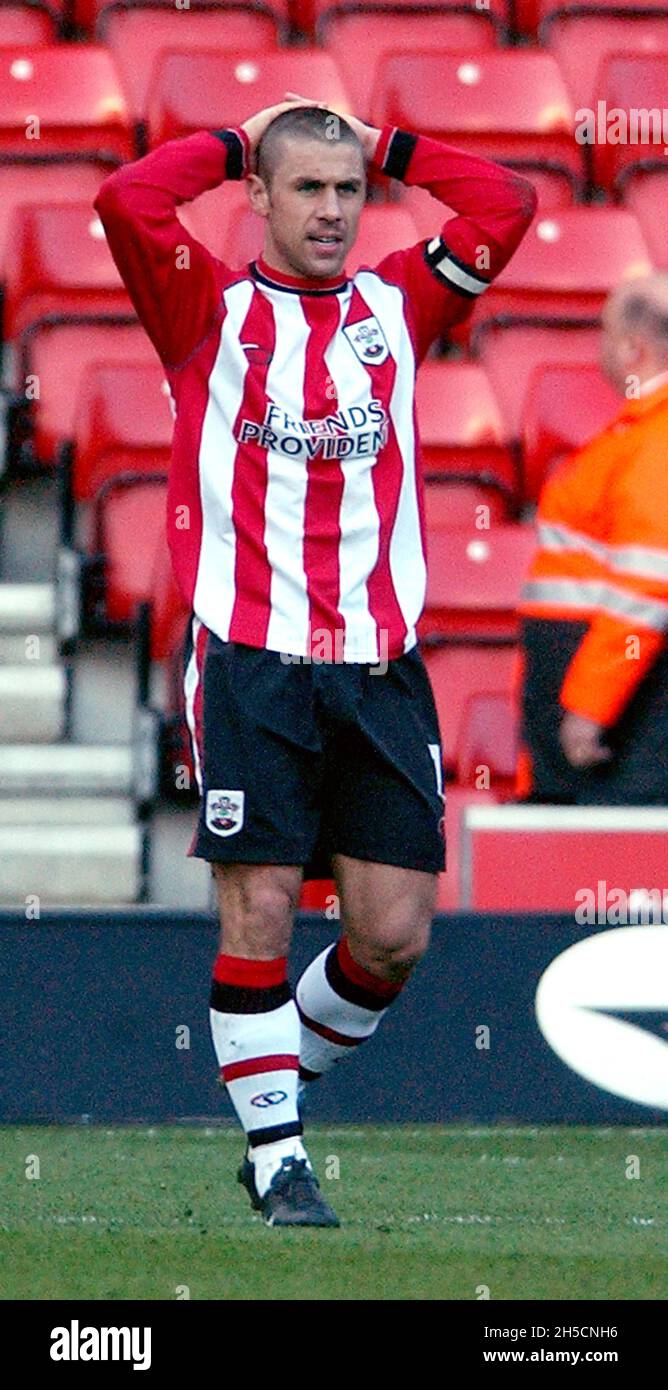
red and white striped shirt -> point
(295, 510)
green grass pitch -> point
(427, 1212)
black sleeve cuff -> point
(398, 154)
(235, 153)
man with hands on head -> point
(296, 526)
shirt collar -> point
(269, 275)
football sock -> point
(340, 1005)
(255, 1030)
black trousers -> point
(638, 772)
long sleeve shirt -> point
(295, 509)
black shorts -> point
(300, 760)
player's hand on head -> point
(367, 135)
(256, 125)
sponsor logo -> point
(367, 340)
(266, 1098)
(356, 431)
(224, 812)
(602, 1006)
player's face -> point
(313, 207)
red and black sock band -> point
(355, 984)
(242, 986)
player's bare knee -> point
(257, 909)
(394, 950)
(405, 950)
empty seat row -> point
(513, 105)
(311, 17)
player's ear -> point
(258, 195)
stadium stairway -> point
(71, 825)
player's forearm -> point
(494, 206)
(148, 191)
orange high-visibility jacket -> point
(602, 556)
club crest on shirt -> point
(224, 811)
(367, 340)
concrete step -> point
(32, 703)
(70, 864)
(27, 608)
(28, 649)
(74, 769)
(66, 810)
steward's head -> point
(634, 340)
(310, 187)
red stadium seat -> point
(75, 92)
(581, 43)
(450, 503)
(536, 16)
(27, 27)
(461, 427)
(429, 215)
(566, 405)
(474, 580)
(322, 11)
(96, 15)
(633, 83)
(192, 91)
(548, 9)
(510, 353)
(646, 194)
(489, 742)
(458, 672)
(567, 264)
(138, 37)
(129, 522)
(56, 356)
(39, 181)
(42, 280)
(123, 423)
(345, 36)
(503, 105)
(383, 228)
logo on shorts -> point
(224, 812)
(266, 1098)
(367, 340)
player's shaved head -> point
(304, 123)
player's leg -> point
(387, 827)
(386, 915)
(254, 1021)
(256, 1033)
(255, 828)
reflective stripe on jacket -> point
(602, 556)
